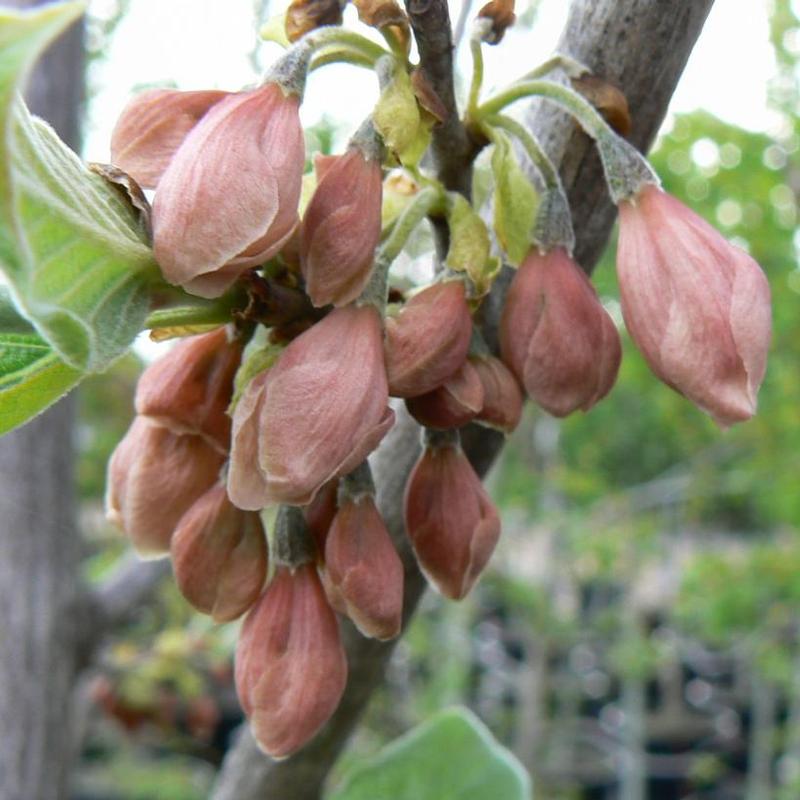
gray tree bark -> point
(40, 621)
(643, 46)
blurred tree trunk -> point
(40, 598)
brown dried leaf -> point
(388, 16)
(427, 97)
(607, 99)
(130, 190)
(303, 16)
(501, 13)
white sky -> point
(197, 44)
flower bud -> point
(188, 390)
(341, 229)
(451, 405)
(555, 335)
(154, 476)
(219, 556)
(291, 668)
(502, 398)
(451, 521)
(152, 127)
(314, 415)
(697, 307)
(364, 569)
(228, 199)
(428, 340)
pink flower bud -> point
(428, 340)
(556, 337)
(697, 307)
(154, 476)
(219, 556)
(364, 569)
(152, 127)
(502, 398)
(451, 405)
(228, 199)
(341, 229)
(452, 523)
(314, 415)
(291, 668)
(189, 389)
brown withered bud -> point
(361, 563)
(450, 519)
(154, 477)
(428, 340)
(451, 405)
(342, 225)
(607, 99)
(303, 16)
(319, 513)
(501, 14)
(188, 390)
(502, 397)
(385, 14)
(219, 556)
(291, 668)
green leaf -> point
(515, 200)
(32, 376)
(470, 244)
(452, 756)
(70, 245)
(397, 119)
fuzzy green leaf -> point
(32, 376)
(515, 201)
(452, 756)
(70, 246)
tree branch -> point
(452, 149)
(643, 45)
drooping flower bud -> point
(314, 415)
(451, 521)
(291, 669)
(342, 227)
(361, 562)
(219, 556)
(502, 398)
(228, 199)
(428, 340)
(555, 335)
(153, 126)
(189, 389)
(154, 476)
(451, 405)
(697, 306)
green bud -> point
(516, 201)
(469, 244)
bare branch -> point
(453, 151)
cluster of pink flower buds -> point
(283, 407)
